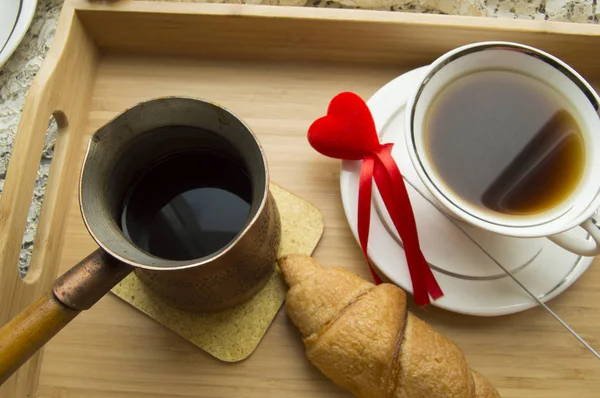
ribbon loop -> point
(348, 132)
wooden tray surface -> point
(277, 68)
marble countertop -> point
(17, 74)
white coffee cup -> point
(557, 224)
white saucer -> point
(22, 20)
(472, 282)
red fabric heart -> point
(348, 132)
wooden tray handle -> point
(61, 88)
(76, 290)
(20, 180)
(58, 91)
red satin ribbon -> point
(348, 132)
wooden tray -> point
(277, 68)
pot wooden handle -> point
(21, 337)
(77, 289)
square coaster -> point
(232, 335)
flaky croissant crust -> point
(364, 338)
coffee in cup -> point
(506, 138)
(505, 142)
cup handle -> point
(577, 245)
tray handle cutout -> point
(57, 124)
(19, 186)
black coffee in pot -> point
(188, 205)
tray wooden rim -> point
(317, 13)
(44, 98)
(72, 7)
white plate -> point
(18, 29)
(9, 11)
(462, 257)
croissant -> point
(363, 338)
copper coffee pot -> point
(116, 156)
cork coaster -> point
(232, 335)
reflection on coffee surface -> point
(505, 142)
(188, 205)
